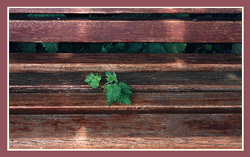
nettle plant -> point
(115, 91)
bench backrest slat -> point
(125, 31)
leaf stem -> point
(103, 86)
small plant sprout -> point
(115, 91)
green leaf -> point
(27, 47)
(113, 92)
(174, 47)
(113, 48)
(124, 99)
(135, 47)
(111, 77)
(125, 88)
(50, 47)
(93, 80)
(237, 48)
(125, 93)
(208, 47)
(181, 15)
(104, 50)
(154, 48)
(46, 15)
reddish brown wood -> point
(131, 58)
(123, 62)
(162, 81)
(126, 10)
(180, 83)
(149, 102)
(121, 131)
(135, 88)
(125, 31)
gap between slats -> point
(127, 10)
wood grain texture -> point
(126, 10)
(123, 62)
(136, 78)
(125, 31)
(126, 131)
(146, 102)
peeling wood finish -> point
(129, 131)
(125, 31)
(123, 62)
(127, 10)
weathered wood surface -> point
(70, 62)
(126, 131)
(179, 91)
(137, 78)
(125, 31)
(126, 10)
(146, 102)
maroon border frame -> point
(114, 3)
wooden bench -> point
(180, 101)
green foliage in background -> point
(237, 48)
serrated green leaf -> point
(124, 99)
(125, 93)
(93, 80)
(111, 77)
(104, 50)
(174, 47)
(113, 92)
(135, 47)
(27, 47)
(155, 48)
(50, 47)
(125, 88)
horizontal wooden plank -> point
(123, 62)
(135, 88)
(125, 10)
(122, 131)
(143, 79)
(125, 31)
(148, 102)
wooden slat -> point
(137, 78)
(133, 131)
(125, 10)
(125, 31)
(149, 102)
(123, 62)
